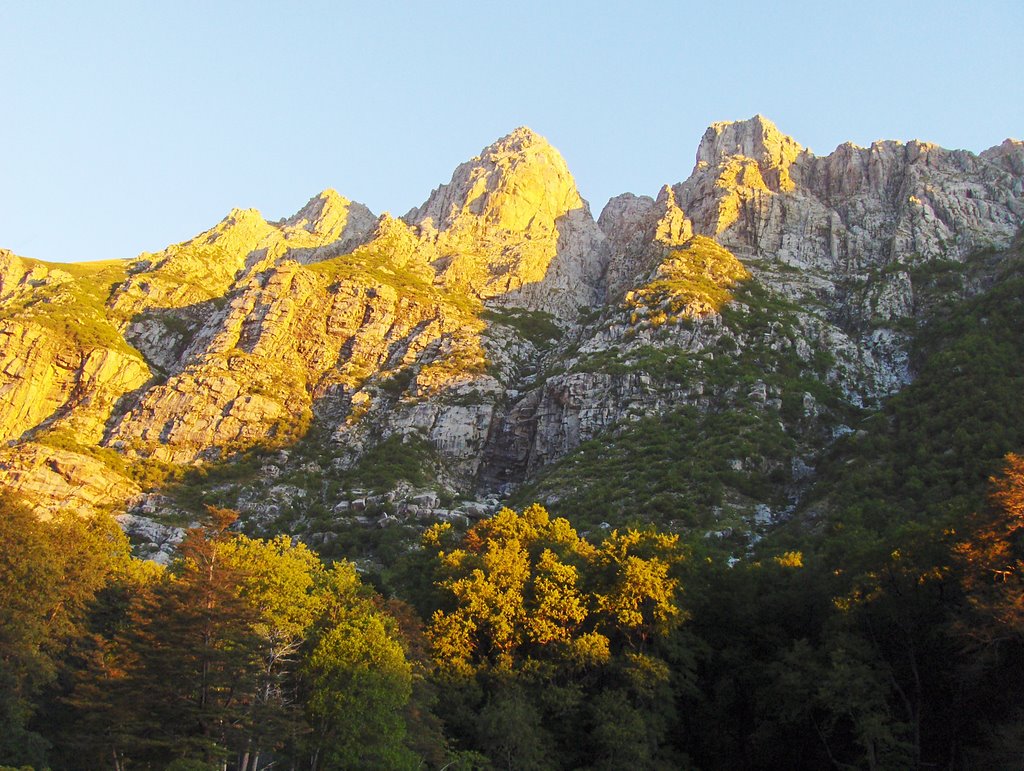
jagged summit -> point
(518, 183)
(331, 217)
(756, 138)
(325, 205)
(494, 321)
(1009, 155)
(517, 141)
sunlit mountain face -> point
(724, 477)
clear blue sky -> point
(126, 126)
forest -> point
(518, 644)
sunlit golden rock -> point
(673, 227)
(503, 219)
(757, 139)
(54, 480)
(452, 323)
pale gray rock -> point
(252, 335)
(153, 540)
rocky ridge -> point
(498, 327)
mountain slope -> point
(498, 336)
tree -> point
(190, 658)
(639, 601)
(514, 594)
(83, 715)
(993, 558)
(540, 626)
(358, 682)
(991, 562)
(244, 651)
(286, 586)
(49, 573)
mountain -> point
(690, 358)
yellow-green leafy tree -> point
(358, 682)
(288, 588)
(546, 639)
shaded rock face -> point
(498, 321)
(638, 229)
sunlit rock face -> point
(519, 184)
(208, 265)
(757, 140)
(841, 232)
(758, 191)
(43, 379)
(498, 322)
(55, 480)
(511, 225)
(638, 229)
(62, 362)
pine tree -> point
(191, 658)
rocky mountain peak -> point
(517, 184)
(756, 138)
(329, 218)
(239, 226)
(498, 322)
(324, 213)
(1009, 155)
(517, 141)
(239, 217)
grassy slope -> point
(76, 310)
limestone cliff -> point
(168, 296)
(496, 327)
(55, 479)
(63, 365)
(295, 340)
(512, 225)
(760, 193)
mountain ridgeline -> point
(487, 339)
(761, 428)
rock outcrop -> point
(760, 193)
(512, 225)
(53, 480)
(497, 323)
(62, 363)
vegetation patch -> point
(148, 473)
(537, 327)
(691, 282)
(928, 452)
(671, 468)
(407, 458)
(76, 310)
